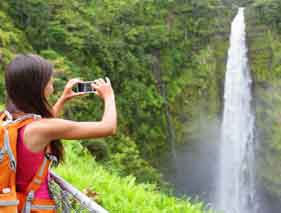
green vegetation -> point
(166, 62)
(155, 53)
(163, 58)
(117, 194)
(264, 28)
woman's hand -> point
(103, 88)
(68, 93)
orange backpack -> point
(12, 201)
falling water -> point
(236, 182)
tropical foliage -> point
(149, 49)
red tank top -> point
(27, 165)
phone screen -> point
(84, 87)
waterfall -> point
(236, 182)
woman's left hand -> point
(68, 93)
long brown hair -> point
(26, 78)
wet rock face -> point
(264, 54)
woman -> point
(29, 82)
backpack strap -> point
(2, 116)
(37, 180)
(9, 123)
(7, 148)
(5, 114)
(20, 121)
(40, 175)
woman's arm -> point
(57, 128)
(41, 132)
(57, 108)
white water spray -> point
(236, 181)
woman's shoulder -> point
(32, 136)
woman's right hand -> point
(103, 88)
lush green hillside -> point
(264, 27)
(117, 194)
(159, 55)
(166, 62)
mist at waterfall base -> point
(218, 166)
(194, 172)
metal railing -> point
(69, 199)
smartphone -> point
(84, 87)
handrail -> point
(91, 205)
